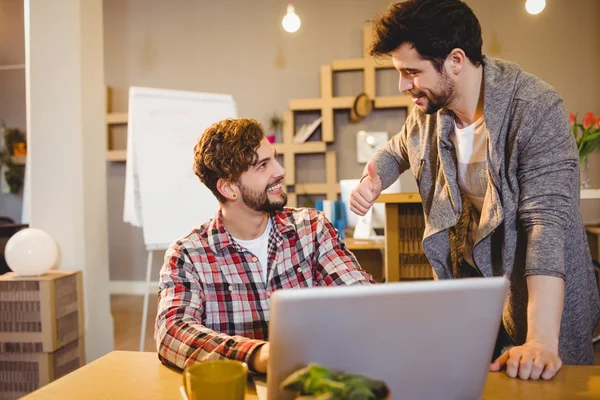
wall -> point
(12, 85)
(239, 47)
(65, 118)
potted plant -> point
(587, 136)
(317, 382)
(15, 142)
(276, 128)
(14, 146)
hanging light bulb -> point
(291, 22)
(535, 6)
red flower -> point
(597, 124)
(589, 120)
(572, 118)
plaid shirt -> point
(213, 302)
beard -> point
(259, 201)
(440, 97)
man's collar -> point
(219, 238)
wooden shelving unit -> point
(113, 119)
(590, 194)
(12, 67)
(117, 118)
(116, 155)
(404, 227)
(326, 104)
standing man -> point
(216, 283)
(495, 161)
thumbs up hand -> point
(366, 192)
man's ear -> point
(456, 60)
(227, 189)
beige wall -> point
(66, 163)
(239, 47)
(12, 85)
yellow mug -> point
(218, 379)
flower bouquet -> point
(587, 136)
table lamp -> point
(31, 252)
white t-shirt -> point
(260, 248)
(470, 146)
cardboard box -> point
(41, 330)
(23, 373)
(40, 314)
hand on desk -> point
(259, 359)
(366, 192)
(530, 361)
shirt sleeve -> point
(336, 265)
(181, 337)
(549, 186)
(392, 160)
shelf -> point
(117, 118)
(318, 104)
(9, 67)
(590, 194)
(399, 198)
(393, 102)
(343, 102)
(356, 244)
(348, 65)
(116, 155)
(303, 148)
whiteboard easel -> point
(162, 194)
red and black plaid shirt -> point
(213, 302)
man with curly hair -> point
(216, 283)
(495, 161)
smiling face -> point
(261, 185)
(430, 90)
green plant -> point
(276, 124)
(13, 174)
(12, 136)
(320, 383)
(587, 134)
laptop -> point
(425, 340)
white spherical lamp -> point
(291, 21)
(31, 252)
(535, 7)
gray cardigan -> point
(530, 222)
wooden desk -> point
(132, 375)
(369, 254)
(359, 244)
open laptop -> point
(425, 340)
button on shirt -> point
(213, 300)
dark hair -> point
(226, 150)
(434, 27)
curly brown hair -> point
(226, 150)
